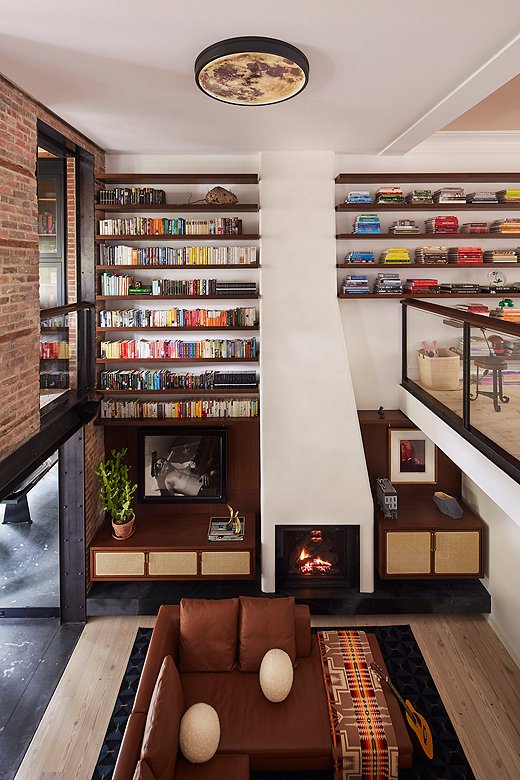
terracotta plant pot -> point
(124, 530)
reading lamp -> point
(251, 71)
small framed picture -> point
(412, 457)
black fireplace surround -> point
(317, 556)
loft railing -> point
(66, 352)
(465, 367)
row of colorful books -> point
(444, 223)
(176, 226)
(125, 284)
(395, 195)
(129, 196)
(54, 350)
(121, 254)
(144, 349)
(392, 283)
(436, 255)
(165, 379)
(178, 318)
(115, 409)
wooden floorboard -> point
(477, 679)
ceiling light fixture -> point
(251, 71)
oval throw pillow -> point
(276, 675)
(199, 733)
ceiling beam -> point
(499, 69)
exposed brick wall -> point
(19, 279)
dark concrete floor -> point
(33, 656)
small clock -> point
(497, 278)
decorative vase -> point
(123, 530)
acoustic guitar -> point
(415, 720)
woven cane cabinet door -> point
(408, 552)
(119, 564)
(457, 552)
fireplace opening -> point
(323, 556)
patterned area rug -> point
(408, 672)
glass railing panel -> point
(57, 356)
(495, 386)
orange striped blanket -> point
(364, 744)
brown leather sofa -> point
(218, 654)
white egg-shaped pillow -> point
(276, 675)
(199, 733)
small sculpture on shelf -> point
(233, 524)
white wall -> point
(502, 578)
(313, 465)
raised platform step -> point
(389, 598)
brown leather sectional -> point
(218, 656)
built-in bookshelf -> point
(453, 273)
(211, 258)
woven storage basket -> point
(440, 372)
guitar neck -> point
(386, 679)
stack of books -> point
(404, 226)
(355, 285)
(474, 227)
(234, 379)
(398, 255)
(508, 196)
(431, 255)
(420, 196)
(360, 257)
(367, 223)
(481, 197)
(421, 286)
(465, 254)
(235, 288)
(459, 287)
(442, 224)
(506, 226)
(500, 256)
(507, 313)
(449, 195)
(473, 308)
(389, 195)
(359, 196)
(386, 284)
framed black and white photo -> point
(412, 457)
(182, 464)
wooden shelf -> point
(370, 207)
(414, 178)
(178, 178)
(428, 266)
(200, 237)
(471, 237)
(162, 361)
(164, 421)
(195, 208)
(179, 329)
(176, 297)
(231, 392)
(497, 296)
(156, 266)
(45, 329)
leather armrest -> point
(165, 641)
(130, 749)
(302, 630)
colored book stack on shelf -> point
(424, 197)
(421, 286)
(221, 394)
(449, 195)
(483, 196)
(501, 256)
(431, 255)
(506, 226)
(389, 195)
(404, 227)
(508, 196)
(387, 283)
(465, 254)
(367, 223)
(442, 224)
(355, 285)
(359, 196)
(474, 227)
(360, 257)
(396, 256)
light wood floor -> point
(477, 679)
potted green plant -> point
(116, 493)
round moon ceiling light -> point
(251, 71)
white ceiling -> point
(384, 75)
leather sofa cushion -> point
(143, 771)
(161, 732)
(291, 735)
(208, 635)
(265, 624)
(218, 768)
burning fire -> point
(310, 565)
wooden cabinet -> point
(349, 241)
(424, 543)
(172, 550)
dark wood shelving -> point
(170, 329)
(200, 237)
(428, 266)
(193, 208)
(415, 178)
(205, 361)
(357, 296)
(236, 392)
(157, 267)
(102, 421)
(178, 178)
(370, 207)
(176, 297)
(472, 237)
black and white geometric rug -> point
(408, 671)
